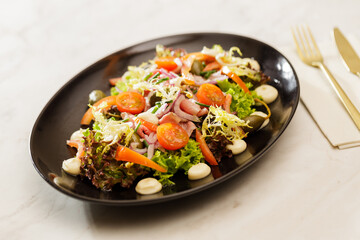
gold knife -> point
(348, 54)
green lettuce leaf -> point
(241, 102)
(182, 159)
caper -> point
(136, 139)
(153, 99)
(95, 96)
(254, 123)
(196, 67)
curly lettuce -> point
(134, 78)
(220, 123)
(173, 161)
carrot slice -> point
(209, 157)
(235, 78)
(128, 155)
(152, 127)
(167, 63)
(88, 116)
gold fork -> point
(310, 54)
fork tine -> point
(297, 44)
(302, 41)
(308, 45)
(313, 41)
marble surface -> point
(301, 189)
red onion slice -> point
(151, 138)
(150, 151)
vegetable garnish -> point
(113, 81)
(131, 102)
(152, 127)
(128, 155)
(169, 114)
(209, 157)
(171, 136)
(181, 159)
(212, 66)
(210, 94)
(88, 116)
(235, 78)
(167, 63)
(219, 122)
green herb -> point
(207, 74)
(146, 143)
(148, 76)
(137, 126)
(155, 109)
(162, 80)
(201, 104)
(155, 76)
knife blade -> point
(348, 54)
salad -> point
(178, 113)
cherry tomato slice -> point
(131, 102)
(172, 136)
(210, 94)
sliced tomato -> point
(130, 102)
(172, 136)
(210, 94)
(88, 116)
(209, 157)
(128, 155)
(212, 66)
(167, 63)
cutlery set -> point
(309, 53)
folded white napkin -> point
(321, 100)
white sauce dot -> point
(72, 166)
(148, 186)
(267, 92)
(198, 171)
(237, 147)
(77, 135)
(262, 114)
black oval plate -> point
(62, 114)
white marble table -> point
(301, 189)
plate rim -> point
(185, 193)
